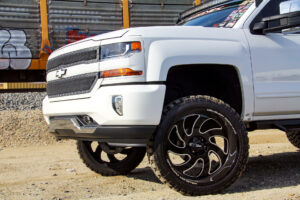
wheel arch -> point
(217, 80)
(164, 55)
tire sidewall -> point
(128, 164)
(182, 109)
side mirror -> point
(289, 6)
(259, 27)
(289, 19)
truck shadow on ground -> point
(262, 172)
(272, 171)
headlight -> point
(119, 49)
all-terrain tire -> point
(92, 159)
(294, 138)
(174, 112)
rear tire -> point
(185, 153)
(294, 138)
(107, 164)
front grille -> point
(71, 86)
(74, 58)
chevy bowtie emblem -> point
(60, 73)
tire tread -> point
(106, 170)
(294, 138)
(242, 163)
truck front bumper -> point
(142, 109)
(70, 127)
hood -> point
(185, 32)
(88, 42)
(108, 35)
(158, 33)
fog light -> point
(117, 103)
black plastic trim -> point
(286, 15)
(287, 20)
(284, 125)
(113, 134)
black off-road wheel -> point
(294, 138)
(110, 161)
(200, 147)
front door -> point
(276, 68)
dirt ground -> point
(54, 171)
(23, 128)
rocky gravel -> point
(21, 120)
(23, 128)
(56, 172)
(21, 101)
(34, 166)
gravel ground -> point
(56, 172)
(21, 101)
(34, 166)
(23, 128)
(21, 120)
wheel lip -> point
(210, 110)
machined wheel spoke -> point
(198, 124)
(226, 167)
(206, 165)
(190, 124)
(175, 137)
(200, 146)
(200, 166)
(182, 132)
(219, 152)
(188, 165)
(213, 133)
(176, 149)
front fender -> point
(165, 54)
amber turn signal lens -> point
(120, 72)
(136, 46)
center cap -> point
(197, 145)
(191, 144)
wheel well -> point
(220, 81)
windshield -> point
(222, 16)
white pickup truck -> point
(186, 94)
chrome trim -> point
(70, 123)
(126, 145)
